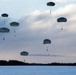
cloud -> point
(61, 1)
(39, 25)
(42, 25)
(63, 10)
(5, 0)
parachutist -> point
(47, 49)
(50, 4)
(3, 38)
(14, 31)
(14, 24)
(47, 42)
(61, 28)
(24, 60)
(60, 20)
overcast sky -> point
(37, 24)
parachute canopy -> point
(14, 24)
(50, 4)
(4, 15)
(47, 41)
(24, 53)
(4, 30)
(62, 19)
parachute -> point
(14, 24)
(60, 20)
(4, 15)
(4, 30)
(50, 4)
(47, 41)
(24, 53)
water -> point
(37, 70)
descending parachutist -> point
(62, 20)
(14, 24)
(47, 49)
(50, 4)
(3, 38)
(14, 31)
(61, 27)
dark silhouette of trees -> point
(16, 63)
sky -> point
(37, 23)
